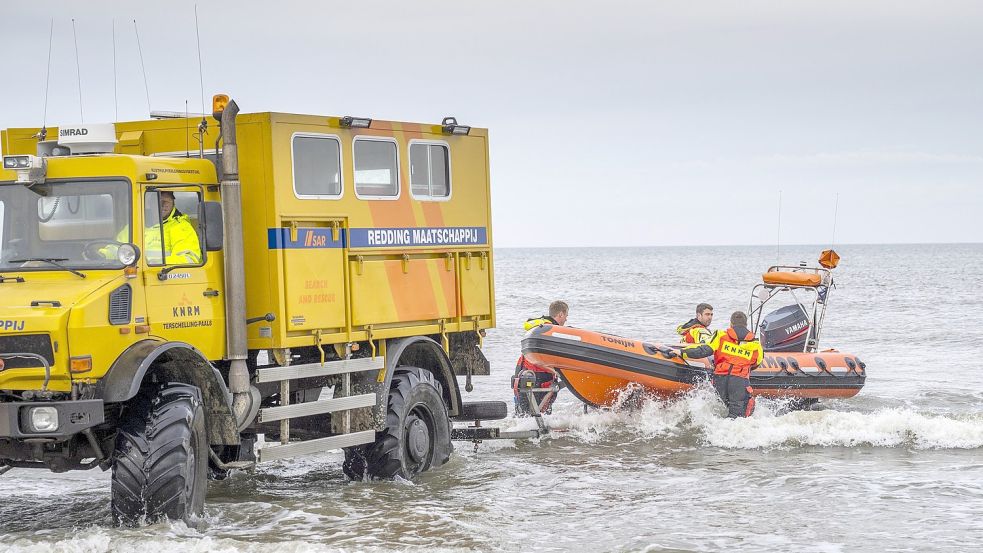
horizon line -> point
(751, 245)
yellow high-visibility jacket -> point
(693, 332)
(181, 244)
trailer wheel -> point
(417, 437)
(160, 465)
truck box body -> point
(350, 234)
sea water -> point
(897, 468)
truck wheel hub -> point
(418, 440)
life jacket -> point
(525, 364)
(693, 332)
(539, 321)
(734, 355)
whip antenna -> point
(115, 89)
(78, 70)
(201, 80)
(43, 133)
(187, 130)
(203, 124)
(143, 67)
(836, 206)
(778, 252)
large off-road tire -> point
(160, 465)
(417, 437)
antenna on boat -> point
(836, 206)
(115, 88)
(143, 67)
(43, 133)
(78, 70)
(778, 252)
(203, 124)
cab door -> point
(185, 294)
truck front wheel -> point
(417, 437)
(160, 465)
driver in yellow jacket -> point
(181, 244)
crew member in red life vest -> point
(697, 330)
(735, 353)
(545, 377)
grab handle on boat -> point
(794, 363)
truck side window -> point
(177, 241)
(317, 166)
(376, 168)
(429, 171)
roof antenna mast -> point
(115, 88)
(42, 135)
(78, 70)
(187, 130)
(203, 125)
(143, 67)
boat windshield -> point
(63, 225)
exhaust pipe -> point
(245, 402)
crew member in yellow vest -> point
(181, 243)
(697, 330)
(735, 353)
(545, 378)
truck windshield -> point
(63, 225)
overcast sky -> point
(611, 123)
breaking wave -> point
(698, 419)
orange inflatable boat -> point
(596, 367)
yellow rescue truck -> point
(170, 289)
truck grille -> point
(25, 343)
(119, 305)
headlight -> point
(30, 169)
(43, 419)
(127, 254)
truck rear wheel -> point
(160, 465)
(417, 437)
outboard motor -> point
(785, 329)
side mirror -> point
(210, 215)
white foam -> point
(881, 428)
(700, 415)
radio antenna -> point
(143, 67)
(201, 80)
(115, 88)
(187, 130)
(836, 206)
(43, 133)
(203, 125)
(778, 252)
(78, 70)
